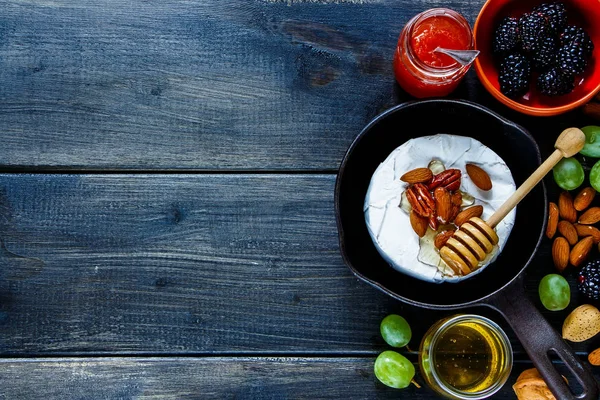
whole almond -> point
(581, 324)
(584, 198)
(594, 357)
(418, 175)
(581, 250)
(418, 223)
(552, 220)
(560, 253)
(588, 230)
(442, 237)
(480, 178)
(467, 214)
(591, 216)
(569, 232)
(443, 204)
(566, 210)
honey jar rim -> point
(443, 325)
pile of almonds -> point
(574, 220)
(436, 200)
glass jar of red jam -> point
(418, 69)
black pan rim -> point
(356, 142)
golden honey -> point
(465, 357)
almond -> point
(531, 386)
(560, 253)
(467, 214)
(588, 230)
(443, 204)
(418, 175)
(584, 198)
(594, 357)
(552, 220)
(418, 223)
(566, 209)
(480, 178)
(568, 231)
(581, 250)
(441, 238)
(591, 216)
(582, 324)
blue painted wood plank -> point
(204, 84)
(249, 378)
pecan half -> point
(455, 212)
(421, 200)
(449, 179)
(434, 223)
(457, 199)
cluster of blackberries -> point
(542, 42)
(588, 281)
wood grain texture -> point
(203, 84)
(187, 264)
(208, 378)
(177, 263)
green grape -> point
(568, 174)
(394, 370)
(395, 330)
(592, 141)
(555, 292)
(595, 176)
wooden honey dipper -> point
(476, 238)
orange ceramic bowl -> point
(583, 13)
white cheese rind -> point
(389, 226)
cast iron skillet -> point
(500, 285)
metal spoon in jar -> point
(463, 57)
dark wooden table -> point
(166, 197)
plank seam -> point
(93, 171)
(517, 357)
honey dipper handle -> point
(525, 188)
(569, 143)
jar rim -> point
(438, 72)
(503, 339)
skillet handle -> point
(538, 337)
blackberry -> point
(575, 34)
(556, 13)
(555, 82)
(572, 58)
(588, 281)
(546, 54)
(532, 28)
(505, 37)
(515, 71)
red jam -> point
(418, 69)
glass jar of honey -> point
(465, 356)
(421, 71)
